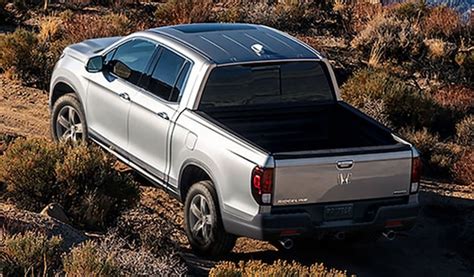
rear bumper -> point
(307, 220)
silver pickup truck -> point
(245, 125)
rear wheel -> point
(203, 222)
(68, 122)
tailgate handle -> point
(345, 164)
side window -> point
(135, 54)
(178, 88)
(168, 76)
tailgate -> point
(341, 178)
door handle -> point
(124, 96)
(163, 115)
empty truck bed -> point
(308, 127)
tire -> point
(207, 236)
(72, 126)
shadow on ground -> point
(440, 244)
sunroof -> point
(212, 27)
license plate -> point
(337, 212)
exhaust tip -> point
(340, 235)
(389, 235)
(287, 243)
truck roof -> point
(236, 42)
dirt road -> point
(441, 243)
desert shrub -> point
(413, 11)
(145, 228)
(439, 158)
(465, 131)
(29, 254)
(81, 179)
(376, 108)
(441, 21)
(143, 260)
(83, 26)
(455, 97)
(230, 11)
(462, 168)
(387, 37)
(278, 268)
(362, 13)
(186, 11)
(443, 159)
(31, 57)
(376, 85)
(423, 140)
(19, 54)
(88, 260)
(404, 105)
(290, 16)
(28, 169)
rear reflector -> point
(262, 184)
(393, 224)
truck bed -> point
(302, 127)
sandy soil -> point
(23, 111)
(440, 244)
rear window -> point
(236, 85)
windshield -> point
(289, 82)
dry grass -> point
(393, 38)
(88, 260)
(439, 49)
(278, 268)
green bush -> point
(29, 254)
(88, 260)
(278, 268)
(82, 179)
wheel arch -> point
(191, 172)
(60, 87)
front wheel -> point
(68, 122)
(203, 223)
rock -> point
(55, 211)
(13, 221)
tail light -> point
(415, 174)
(262, 185)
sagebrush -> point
(82, 179)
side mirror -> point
(122, 70)
(95, 64)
